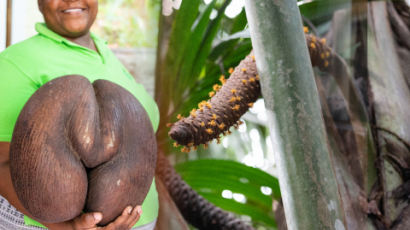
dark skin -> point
(71, 19)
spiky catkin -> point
(195, 209)
(231, 100)
(320, 54)
(223, 110)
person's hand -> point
(89, 221)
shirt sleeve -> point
(15, 89)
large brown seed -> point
(70, 127)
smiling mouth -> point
(74, 10)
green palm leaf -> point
(211, 178)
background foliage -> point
(128, 23)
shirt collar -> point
(42, 29)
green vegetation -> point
(128, 23)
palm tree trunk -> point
(309, 190)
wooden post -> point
(8, 26)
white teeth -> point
(72, 10)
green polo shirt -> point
(26, 66)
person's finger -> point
(87, 220)
(128, 218)
(127, 211)
(135, 216)
(122, 220)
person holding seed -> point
(64, 45)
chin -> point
(75, 34)
(76, 31)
